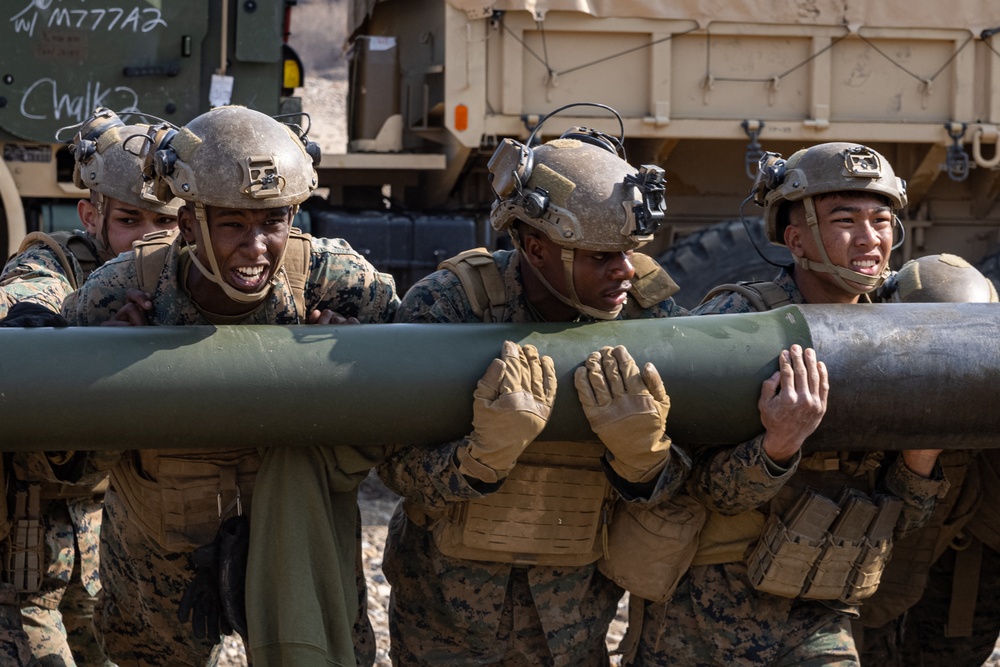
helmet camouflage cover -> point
(578, 194)
(238, 158)
(106, 163)
(940, 279)
(822, 169)
(581, 195)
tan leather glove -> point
(627, 410)
(512, 405)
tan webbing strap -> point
(53, 245)
(298, 256)
(83, 248)
(481, 281)
(964, 589)
(152, 251)
(762, 295)
(651, 283)
(150, 257)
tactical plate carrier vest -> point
(180, 497)
(556, 502)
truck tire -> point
(720, 253)
(989, 266)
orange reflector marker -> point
(461, 118)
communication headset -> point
(511, 166)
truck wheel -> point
(720, 253)
(989, 266)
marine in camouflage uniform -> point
(719, 615)
(301, 597)
(14, 648)
(937, 602)
(47, 268)
(448, 608)
(68, 514)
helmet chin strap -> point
(573, 301)
(216, 276)
(101, 240)
(839, 273)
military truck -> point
(703, 88)
(168, 60)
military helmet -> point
(939, 279)
(822, 169)
(579, 193)
(233, 157)
(106, 164)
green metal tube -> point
(250, 386)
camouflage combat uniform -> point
(952, 610)
(145, 573)
(36, 275)
(716, 616)
(446, 610)
(57, 618)
(915, 572)
(14, 648)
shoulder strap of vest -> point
(651, 283)
(298, 257)
(762, 295)
(44, 239)
(150, 256)
(481, 281)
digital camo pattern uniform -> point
(716, 617)
(146, 569)
(914, 572)
(58, 617)
(70, 513)
(454, 611)
(36, 275)
(956, 621)
(14, 648)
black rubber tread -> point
(717, 254)
(989, 266)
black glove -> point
(234, 547)
(28, 314)
(215, 600)
(201, 602)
